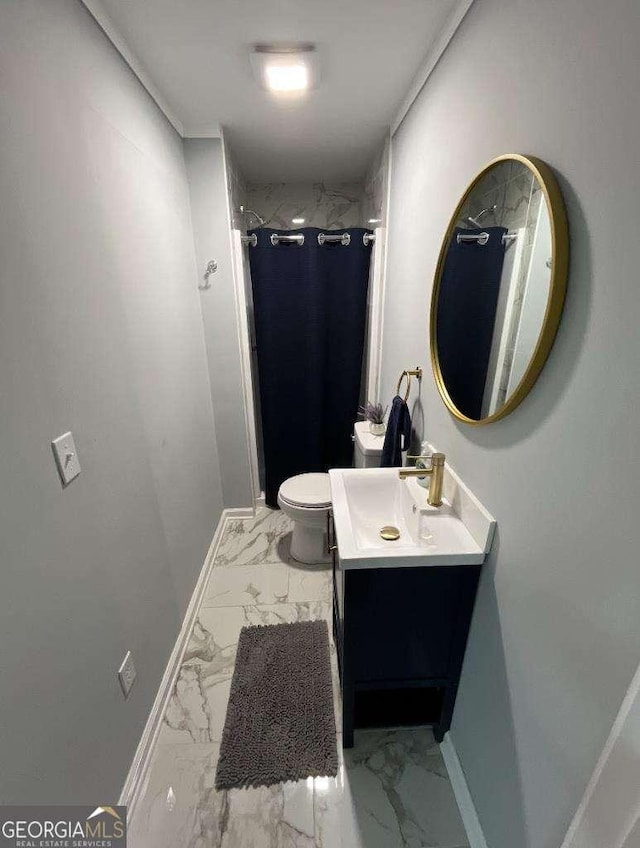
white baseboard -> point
(463, 796)
(140, 765)
(240, 512)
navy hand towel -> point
(398, 434)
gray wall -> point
(208, 191)
(100, 333)
(556, 632)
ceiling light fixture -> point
(297, 221)
(374, 221)
(285, 69)
(287, 77)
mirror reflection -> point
(493, 288)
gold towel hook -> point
(417, 372)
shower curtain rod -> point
(483, 238)
(323, 238)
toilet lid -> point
(307, 490)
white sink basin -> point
(364, 500)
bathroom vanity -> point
(402, 608)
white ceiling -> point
(196, 53)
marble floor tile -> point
(197, 709)
(217, 629)
(248, 585)
(309, 583)
(288, 613)
(251, 541)
(278, 816)
(180, 807)
(391, 791)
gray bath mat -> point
(280, 723)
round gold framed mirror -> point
(499, 288)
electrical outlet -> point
(127, 674)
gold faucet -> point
(436, 472)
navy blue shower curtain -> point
(465, 319)
(310, 314)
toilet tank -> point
(367, 447)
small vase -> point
(376, 429)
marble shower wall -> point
(327, 205)
(513, 190)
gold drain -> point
(389, 533)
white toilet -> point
(306, 499)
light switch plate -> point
(64, 450)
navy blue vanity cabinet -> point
(400, 635)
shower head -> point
(244, 211)
(475, 220)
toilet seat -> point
(307, 490)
